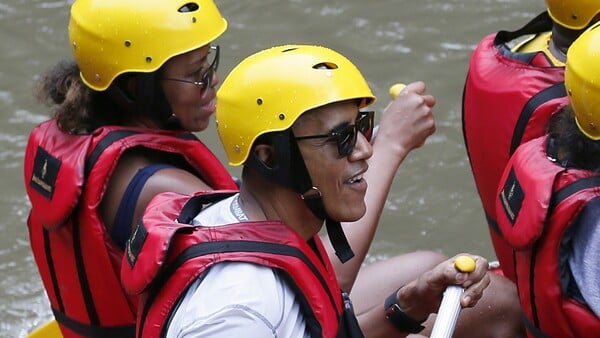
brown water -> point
(433, 203)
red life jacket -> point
(538, 201)
(66, 177)
(507, 100)
(165, 256)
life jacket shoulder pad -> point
(522, 202)
(148, 248)
(54, 180)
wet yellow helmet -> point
(112, 37)
(582, 81)
(269, 90)
(573, 14)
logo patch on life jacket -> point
(512, 197)
(45, 171)
(135, 243)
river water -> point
(433, 203)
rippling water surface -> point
(433, 203)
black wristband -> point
(398, 318)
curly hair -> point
(77, 108)
(574, 149)
(62, 90)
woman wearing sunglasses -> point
(253, 265)
(142, 80)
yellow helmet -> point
(573, 14)
(112, 37)
(582, 81)
(269, 90)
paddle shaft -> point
(447, 315)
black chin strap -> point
(148, 98)
(118, 96)
(290, 171)
(314, 201)
(338, 240)
(334, 228)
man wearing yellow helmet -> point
(514, 84)
(549, 205)
(253, 264)
(143, 79)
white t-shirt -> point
(236, 299)
(585, 257)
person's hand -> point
(408, 120)
(423, 296)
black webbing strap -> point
(531, 328)
(541, 23)
(94, 331)
(553, 92)
(573, 188)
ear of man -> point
(266, 154)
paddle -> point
(450, 306)
(394, 92)
(396, 89)
(49, 329)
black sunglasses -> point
(206, 79)
(346, 136)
